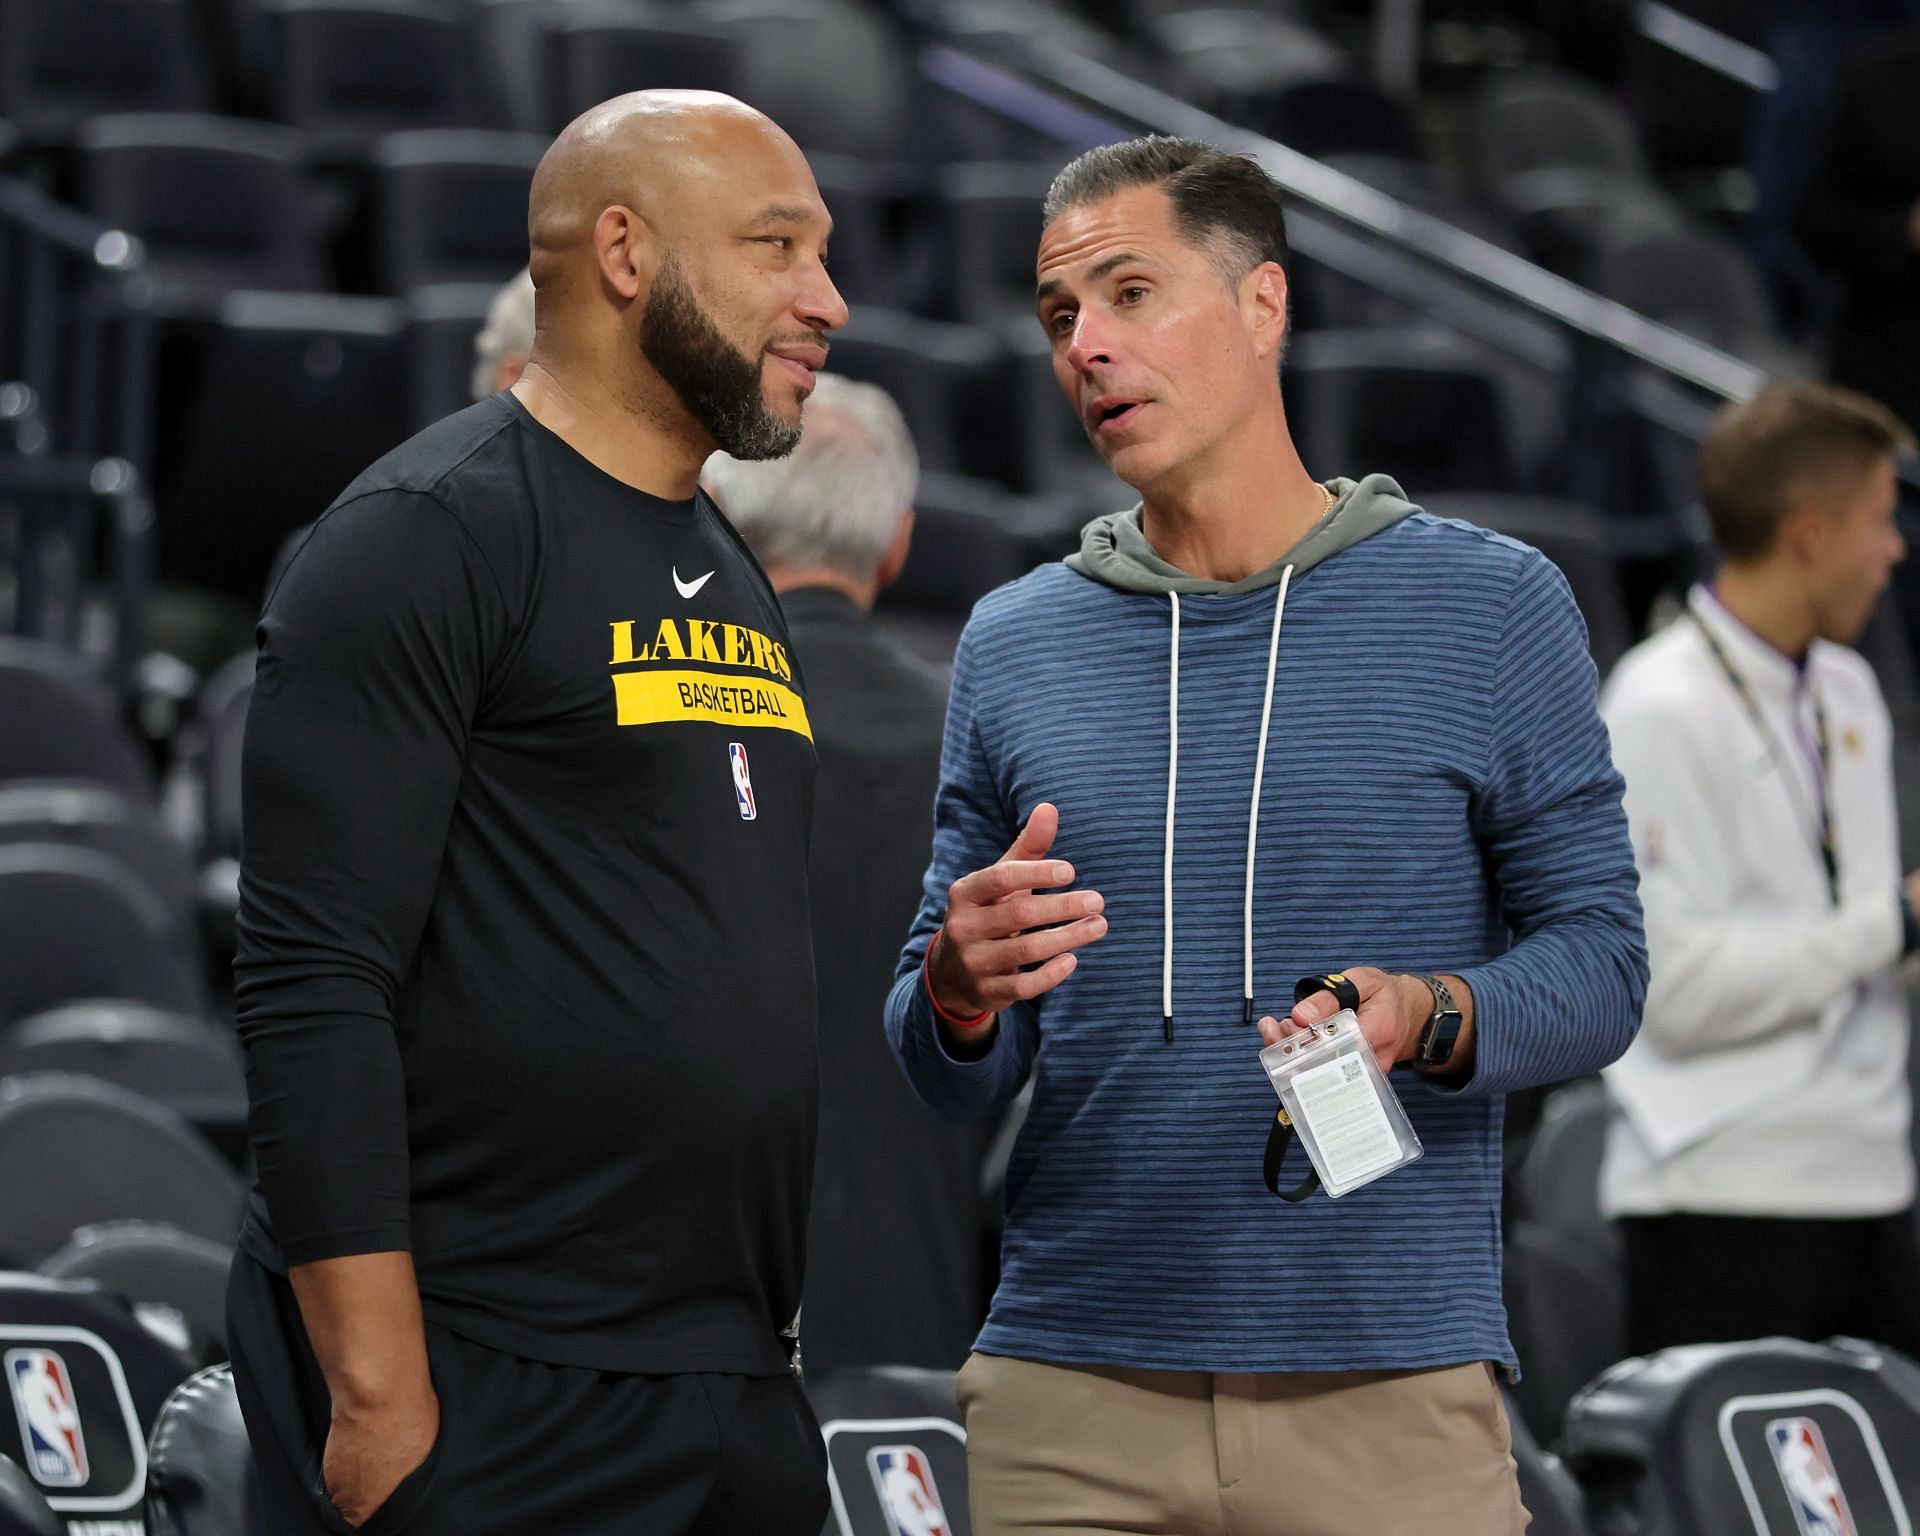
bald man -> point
(524, 972)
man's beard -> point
(719, 387)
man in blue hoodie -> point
(1259, 729)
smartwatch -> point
(1442, 1030)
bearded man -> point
(524, 971)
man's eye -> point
(1132, 288)
(1061, 322)
(783, 241)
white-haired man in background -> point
(895, 1272)
(505, 342)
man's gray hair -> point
(507, 333)
(836, 499)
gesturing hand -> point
(1393, 1010)
(998, 924)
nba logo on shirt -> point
(49, 1417)
(1813, 1487)
(742, 780)
(908, 1497)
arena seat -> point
(788, 48)
(75, 1151)
(23, 1512)
(72, 1350)
(1695, 280)
(61, 722)
(896, 1451)
(348, 71)
(1777, 1437)
(1547, 1488)
(178, 1060)
(1415, 404)
(1566, 1313)
(147, 1261)
(451, 205)
(589, 52)
(990, 224)
(200, 1477)
(81, 815)
(63, 61)
(243, 459)
(443, 321)
(217, 203)
(80, 924)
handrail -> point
(76, 233)
(1409, 231)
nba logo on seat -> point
(1813, 1487)
(908, 1497)
(742, 780)
(49, 1417)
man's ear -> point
(1263, 304)
(1803, 531)
(894, 561)
(623, 248)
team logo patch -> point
(742, 781)
(908, 1497)
(1813, 1487)
(49, 1417)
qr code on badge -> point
(1350, 1069)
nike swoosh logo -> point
(690, 588)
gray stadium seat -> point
(991, 227)
(82, 815)
(1574, 537)
(1415, 404)
(23, 1512)
(894, 1443)
(152, 1262)
(788, 48)
(200, 1477)
(73, 1349)
(178, 1060)
(443, 322)
(75, 1151)
(240, 463)
(61, 722)
(1559, 1181)
(348, 71)
(62, 62)
(1775, 1437)
(1530, 119)
(1695, 280)
(1547, 1488)
(80, 924)
(590, 52)
(1566, 1311)
(451, 205)
(218, 203)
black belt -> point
(1280, 1134)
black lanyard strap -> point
(1776, 753)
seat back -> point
(896, 1451)
(61, 63)
(61, 723)
(1547, 1488)
(92, 816)
(74, 1151)
(1776, 1436)
(23, 1512)
(351, 70)
(200, 1475)
(1566, 1310)
(147, 1261)
(80, 924)
(86, 1380)
(191, 1066)
(451, 205)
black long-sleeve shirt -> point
(524, 971)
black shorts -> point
(527, 1448)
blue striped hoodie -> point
(1438, 795)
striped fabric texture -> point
(1439, 796)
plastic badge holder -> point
(1340, 1104)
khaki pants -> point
(1078, 1450)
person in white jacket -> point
(1758, 1153)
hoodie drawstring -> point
(1253, 812)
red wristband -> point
(926, 981)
